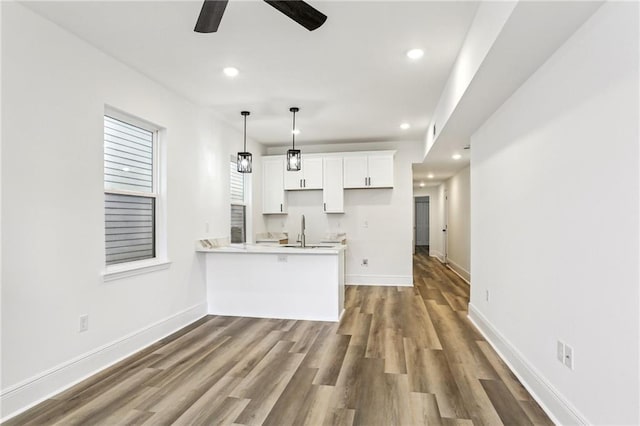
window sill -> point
(116, 272)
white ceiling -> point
(350, 78)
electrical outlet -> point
(282, 258)
(568, 356)
(486, 296)
(366, 223)
(560, 351)
(84, 323)
(365, 262)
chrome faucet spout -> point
(303, 238)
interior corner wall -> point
(378, 222)
(554, 220)
(459, 223)
(54, 91)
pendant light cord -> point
(294, 130)
(245, 133)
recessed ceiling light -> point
(296, 132)
(456, 156)
(405, 126)
(230, 71)
(415, 53)
(421, 184)
(430, 176)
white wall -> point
(459, 228)
(54, 90)
(554, 220)
(387, 239)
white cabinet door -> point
(332, 188)
(380, 170)
(308, 177)
(312, 173)
(273, 201)
(293, 180)
(355, 171)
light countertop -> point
(318, 248)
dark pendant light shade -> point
(294, 159)
(244, 158)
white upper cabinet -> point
(332, 189)
(369, 170)
(309, 177)
(273, 199)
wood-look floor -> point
(400, 356)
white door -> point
(273, 186)
(293, 180)
(312, 173)
(381, 171)
(355, 171)
(445, 228)
(332, 192)
(422, 221)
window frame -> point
(159, 260)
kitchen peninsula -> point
(275, 281)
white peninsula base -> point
(276, 282)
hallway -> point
(400, 356)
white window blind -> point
(130, 197)
(128, 156)
(129, 228)
(238, 208)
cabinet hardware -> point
(325, 207)
(304, 183)
(300, 183)
(280, 207)
(365, 181)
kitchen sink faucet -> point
(302, 239)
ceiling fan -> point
(298, 10)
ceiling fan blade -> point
(301, 12)
(210, 16)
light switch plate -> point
(568, 356)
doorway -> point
(422, 224)
(445, 229)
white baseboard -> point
(459, 271)
(34, 390)
(436, 254)
(559, 409)
(384, 280)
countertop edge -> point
(268, 249)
